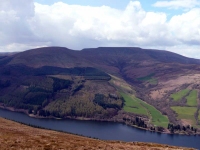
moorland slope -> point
(17, 136)
(146, 88)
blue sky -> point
(118, 4)
(172, 25)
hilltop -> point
(152, 89)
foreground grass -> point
(17, 136)
(137, 106)
(186, 113)
(179, 95)
(192, 98)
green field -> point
(153, 81)
(185, 113)
(179, 95)
(157, 118)
(146, 78)
(133, 105)
(192, 98)
(199, 117)
(137, 106)
(120, 84)
(149, 78)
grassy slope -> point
(17, 136)
(179, 95)
(133, 105)
(149, 78)
(192, 98)
(185, 113)
(199, 117)
(137, 106)
(157, 118)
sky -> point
(172, 25)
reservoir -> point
(105, 130)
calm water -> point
(105, 130)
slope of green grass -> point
(146, 78)
(157, 118)
(149, 78)
(153, 81)
(192, 98)
(185, 113)
(179, 95)
(199, 117)
(137, 106)
(133, 105)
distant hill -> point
(139, 54)
(60, 56)
(105, 83)
(110, 59)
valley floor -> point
(17, 136)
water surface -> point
(105, 130)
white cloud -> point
(15, 47)
(176, 4)
(20, 8)
(98, 26)
(14, 18)
(78, 27)
(186, 27)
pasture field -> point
(133, 105)
(198, 121)
(120, 84)
(199, 117)
(192, 98)
(149, 79)
(137, 106)
(153, 81)
(146, 78)
(179, 95)
(158, 118)
(185, 113)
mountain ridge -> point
(105, 83)
(159, 55)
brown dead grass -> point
(17, 136)
(165, 86)
(186, 122)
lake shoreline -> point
(101, 130)
(166, 131)
(15, 130)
